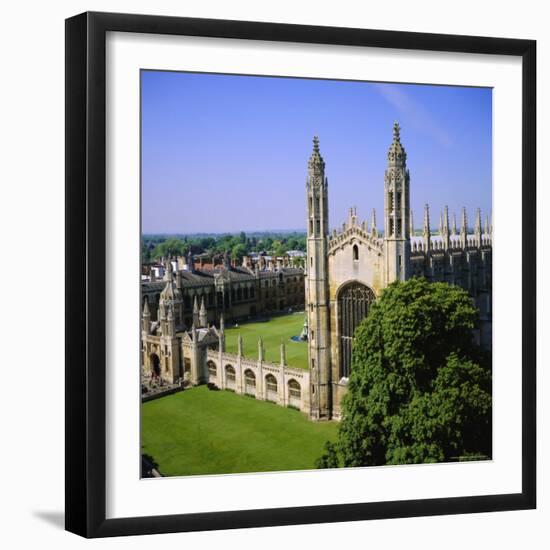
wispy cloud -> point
(415, 113)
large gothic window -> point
(354, 301)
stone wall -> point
(266, 381)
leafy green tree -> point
(238, 251)
(420, 388)
(169, 247)
(279, 249)
(330, 457)
(145, 253)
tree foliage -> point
(420, 388)
(238, 245)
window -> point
(355, 253)
(230, 377)
(354, 301)
(249, 382)
(294, 393)
(271, 387)
(318, 227)
(311, 226)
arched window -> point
(249, 382)
(354, 301)
(294, 394)
(355, 253)
(271, 393)
(245, 293)
(229, 377)
(212, 371)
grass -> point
(199, 431)
(271, 331)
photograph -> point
(316, 273)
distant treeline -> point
(154, 247)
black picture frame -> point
(86, 284)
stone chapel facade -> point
(347, 269)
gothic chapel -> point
(348, 268)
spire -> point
(396, 154)
(178, 279)
(240, 346)
(222, 323)
(445, 228)
(316, 164)
(203, 315)
(478, 220)
(196, 320)
(486, 229)
(454, 231)
(283, 353)
(373, 228)
(260, 349)
(441, 223)
(221, 340)
(477, 229)
(170, 323)
(426, 229)
(464, 229)
(146, 318)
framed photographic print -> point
(300, 274)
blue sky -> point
(224, 153)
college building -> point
(346, 270)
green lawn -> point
(199, 431)
(272, 331)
